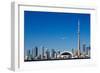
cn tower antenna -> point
(78, 38)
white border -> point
(18, 46)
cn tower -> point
(78, 47)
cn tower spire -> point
(78, 39)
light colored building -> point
(66, 55)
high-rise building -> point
(28, 55)
(83, 54)
(25, 54)
(52, 53)
(58, 54)
(73, 52)
(84, 48)
(43, 53)
(88, 51)
(36, 51)
(33, 53)
(48, 54)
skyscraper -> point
(29, 55)
(47, 54)
(53, 53)
(33, 53)
(43, 52)
(36, 51)
(88, 51)
(73, 52)
(84, 48)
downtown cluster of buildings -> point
(37, 54)
(41, 54)
(81, 52)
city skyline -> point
(55, 30)
(46, 54)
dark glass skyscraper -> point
(53, 53)
(48, 54)
(84, 48)
(36, 51)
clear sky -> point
(55, 30)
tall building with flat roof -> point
(36, 51)
(53, 53)
(84, 47)
(43, 53)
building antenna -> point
(78, 39)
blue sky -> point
(55, 30)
